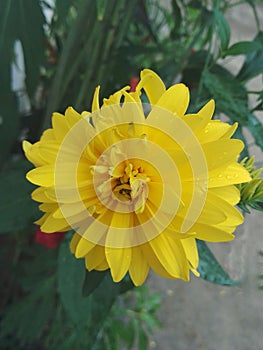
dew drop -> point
(220, 175)
(229, 177)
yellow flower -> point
(139, 182)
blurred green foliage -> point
(48, 300)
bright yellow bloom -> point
(139, 182)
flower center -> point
(131, 186)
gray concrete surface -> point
(202, 316)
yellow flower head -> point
(139, 182)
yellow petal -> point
(84, 246)
(32, 153)
(49, 151)
(152, 85)
(48, 135)
(42, 176)
(119, 260)
(95, 101)
(214, 130)
(211, 233)
(234, 173)
(175, 99)
(93, 233)
(171, 255)
(153, 262)
(54, 225)
(230, 131)
(48, 207)
(42, 219)
(103, 265)
(222, 152)
(72, 117)
(233, 216)
(229, 193)
(39, 195)
(94, 258)
(74, 242)
(115, 98)
(60, 126)
(190, 248)
(139, 267)
(208, 110)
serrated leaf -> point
(210, 269)
(17, 209)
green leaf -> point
(243, 48)
(142, 339)
(87, 313)
(177, 18)
(62, 8)
(92, 281)
(28, 318)
(23, 20)
(232, 99)
(30, 30)
(222, 28)
(101, 7)
(17, 209)
(209, 268)
(126, 284)
(253, 64)
(150, 321)
(9, 117)
(153, 302)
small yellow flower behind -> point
(139, 182)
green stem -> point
(71, 42)
(121, 32)
(99, 47)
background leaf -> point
(17, 209)
(253, 64)
(222, 28)
(231, 99)
(243, 48)
(86, 313)
(209, 268)
(92, 280)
